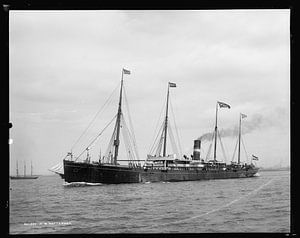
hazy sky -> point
(65, 64)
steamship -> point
(159, 166)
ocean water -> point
(47, 205)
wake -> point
(219, 208)
(80, 184)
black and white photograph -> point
(149, 121)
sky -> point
(64, 65)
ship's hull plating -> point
(107, 174)
(23, 177)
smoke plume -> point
(248, 126)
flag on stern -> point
(172, 85)
(125, 71)
(222, 104)
(254, 157)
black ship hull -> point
(23, 177)
(111, 174)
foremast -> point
(118, 120)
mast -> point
(221, 104)
(166, 123)
(239, 148)
(118, 120)
(31, 167)
(172, 85)
(240, 136)
(24, 168)
(216, 133)
(17, 170)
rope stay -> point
(245, 149)
(106, 103)
(235, 149)
(95, 139)
(156, 133)
(159, 134)
(131, 129)
(161, 140)
(132, 152)
(209, 148)
(223, 150)
(156, 144)
(176, 130)
(173, 142)
(108, 156)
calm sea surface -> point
(46, 205)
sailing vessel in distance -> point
(157, 167)
(31, 176)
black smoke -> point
(248, 125)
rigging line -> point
(97, 137)
(209, 149)
(56, 166)
(176, 129)
(102, 108)
(65, 157)
(245, 149)
(157, 136)
(223, 150)
(161, 141)
(131, 144)
(157, 124)
(208, 152)
(131, 129)
(126, 146)
(219, 208)
(130, 151)
(129, 115)
(173, 143)
(108, 152)
(235, 149)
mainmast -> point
(221, 104)
(216, 133)
(172, 85)
(24, 168)
(118, 121)
(239, 148)
(31, 168)
(240, 133)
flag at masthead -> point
(221, 104)
(118, 121)
(170, 85)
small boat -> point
(24, 176)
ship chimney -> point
(197, 146)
